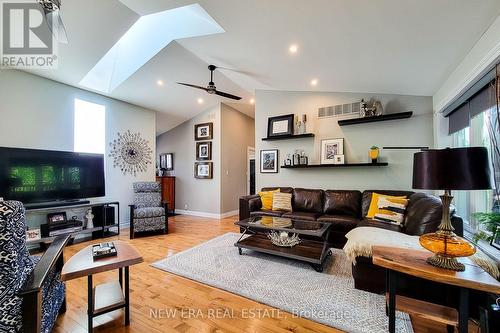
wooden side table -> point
(105, 297)
(399, 261)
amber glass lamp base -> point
(445, 244)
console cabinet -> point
(168, 191)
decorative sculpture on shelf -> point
(131, 153)
(90, 219)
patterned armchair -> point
(31, 293)
(147, 213)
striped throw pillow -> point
(391, 210)
(282, 202)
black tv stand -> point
(52, 204)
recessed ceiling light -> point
(252, 101)
(200, 100)
(314, 82)
(293, 48)
(159, 82)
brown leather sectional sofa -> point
(345, 210)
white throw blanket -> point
(360, 242)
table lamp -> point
(450, 169)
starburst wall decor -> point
(131, 153)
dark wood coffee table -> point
(106, 297)
(313, 249)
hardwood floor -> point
(155, 294)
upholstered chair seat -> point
(148, 213)
(31, 292)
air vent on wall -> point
(339, 110)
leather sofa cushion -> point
(367, 198)
(423, 214)
(378, 224)
(306, 200)
(265, 212)
(307, 216)
(342, 203)
(340, 222)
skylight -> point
(145, 38)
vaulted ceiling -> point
(383, 46)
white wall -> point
(238, 133)
(416, 131)
(484, 54)
(38, 113)
(195, 195)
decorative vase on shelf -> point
(303, 129)
(373, 153)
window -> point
(89, 127)
(469, 202)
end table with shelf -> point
(107, 297)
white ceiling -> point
(383, 46)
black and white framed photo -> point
(279, 126)
(495, 241)
(204, 151)
(331, 148)
(269, 160)
(203, 131)
(203, 170)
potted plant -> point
(373, 153)
(490, 221)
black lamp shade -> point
(452, 169)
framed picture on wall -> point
(269, 160)
(203, 151)
(330, 148)
(279, 126)
(203, 131)
(203, 170)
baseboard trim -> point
(205, 214)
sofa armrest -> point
(248, 204)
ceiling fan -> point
(52, 8)
(211, 89)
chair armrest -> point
(47, 262)
(248, 204)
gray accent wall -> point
(233, 133)
(238, 133)
(415, 131)
(192, 194)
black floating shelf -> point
(335, 165)
(374, 119)
(288, 137)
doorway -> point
(251, 171)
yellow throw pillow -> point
(374, 203)
(267, 199)
(282, 202)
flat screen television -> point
(36, 176)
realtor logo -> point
(27, 41)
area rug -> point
(328, 298)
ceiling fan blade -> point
(56, 25)
(193, 86)
(223, 94)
